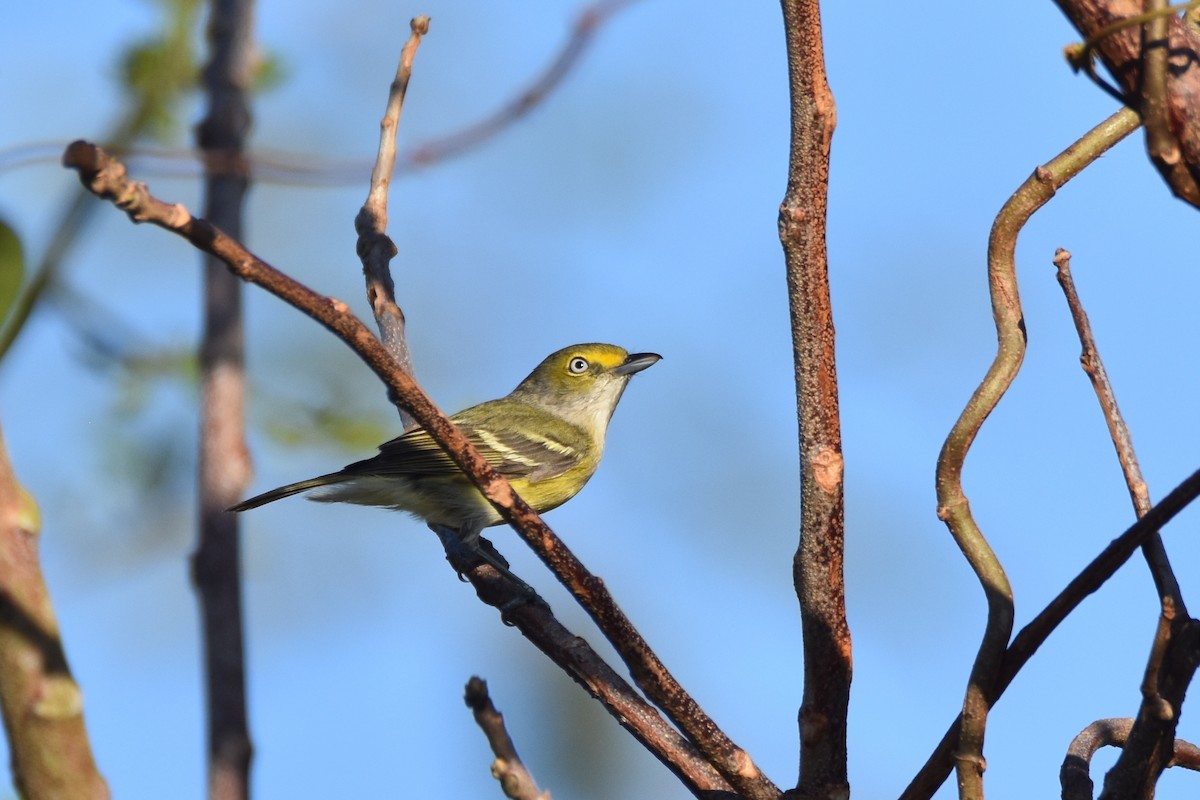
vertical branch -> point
(41, 703)
(375, 247)
(817, 567)
(224, 469)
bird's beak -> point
(637, 362)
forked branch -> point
(106, 178)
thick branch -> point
(1173, 138)
(817, 565)
(106, 177)
(41, 703)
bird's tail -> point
(288, 491)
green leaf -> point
(12, 268)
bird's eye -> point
(578, 365)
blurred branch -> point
(1031, 637)
(508, 769)
(582, 33)
(953, 507)
(375, 247)
(224, 465)
(306, 169)
(818, 562)
(1074, 777)
(42, 705)
(106, 177)
(1157, 68)
(154, 91)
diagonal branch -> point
(508, 768)
(106, 177)
(1172, 659)
(1156, 555)
(1031, 637)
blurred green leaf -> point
(12, 268)
(349, 429)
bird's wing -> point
(534, 456)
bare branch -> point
(1150, 745)
(459, 142)
(41, 703)
(818, 563)
(1164, 87)
(1074, 774)
(375, 247)
(508, 769)
(224, 463)
(106, 177)
(953, 507)
(529, 614)
(1031, 637)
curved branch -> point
(1074, 774)
(953, 507)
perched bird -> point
(546, 437)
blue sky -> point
(637, 205)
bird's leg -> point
(468, 547)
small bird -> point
(546, 437)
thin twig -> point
(953, 507)
(1093, 366)
(817, 567)
(106, 177)
(1031, 637)
(508, 769)
(580, 38)
(1149, 748)
(224, 464)
(41, 703)
(375, 247)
